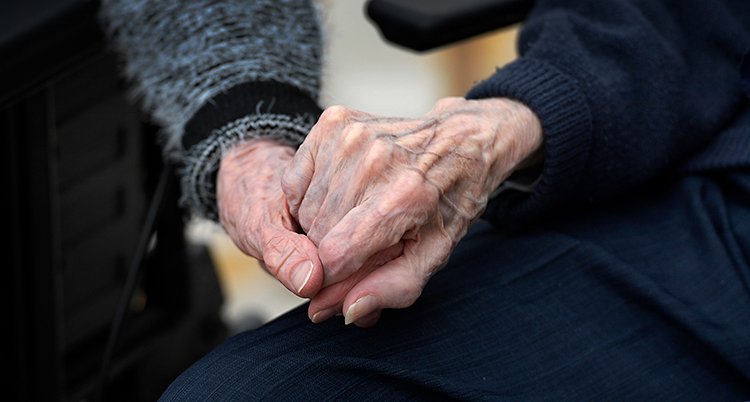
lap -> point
(645, 299)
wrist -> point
(262, 156)
(257, 148)
(518, 138)
(251, 166)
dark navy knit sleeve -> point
(626, 90)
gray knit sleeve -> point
(213, 73)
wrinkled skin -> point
(386, 200)
(383, 200)
(254, 212)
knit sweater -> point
(213, 73)
(626, 90)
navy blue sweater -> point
(627, 90)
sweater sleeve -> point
(213, 73)
(625, 89)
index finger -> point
(397, 211)
(297, 177)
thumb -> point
(330, 299)
(396, 284)
(293, 259)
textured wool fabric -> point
(626, 90)
(645, 299)
(181, 55)
(281, 113)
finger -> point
(344, 187)
(321, 210)
(328, 302)
(335, 186)
(293, 259)
(297, 177)
(299, 174)
(396, 284)
(376, 225)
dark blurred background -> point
(80, 168)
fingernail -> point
(301, 274)
(324, 315)
(360, 308)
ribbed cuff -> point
(567, 123)
(258, 97)
(248, 111)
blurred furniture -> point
(427, 24)
(80, 167)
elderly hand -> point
(386, 200)
(254, 212)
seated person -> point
(624, 274)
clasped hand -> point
(370, 207)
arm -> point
(625, 91)
(216, 73)
(234, 85)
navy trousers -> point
(644, 299)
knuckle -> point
(353, 135)
(409, 196)
(421, 191)
(415, 180)
(377, 157)
(335, 114)
(307, 213)
(380, 150)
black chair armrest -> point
(426, 24)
